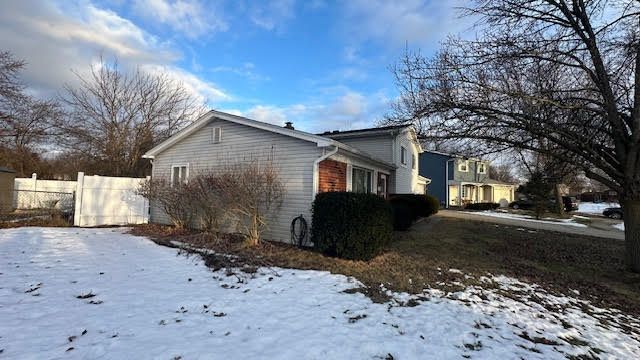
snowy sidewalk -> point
(98, 293)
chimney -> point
(289, 125)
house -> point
(458, 180)
(379, 160)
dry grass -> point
(421, 258)
(47, 218)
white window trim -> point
(466, 163)
(414, 162)
(405, 155)
(186, 177)
(213, 135)
(484, 168)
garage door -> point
(503, 195)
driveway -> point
(599, 227)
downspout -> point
(316, 167)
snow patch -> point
(619, 226)
(101, 293)
(506, 215)
(594, 208)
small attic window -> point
(217, 135)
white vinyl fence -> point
(32, 193)
(96, 200)
(102, 200)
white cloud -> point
(348, 110)
(189, 17)
(271, 15)
(204, 90)
(394, 23)
(246, 70)
(54, 40)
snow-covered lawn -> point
(507, 215)
(594, 208)
(99, 293)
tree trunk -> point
(631, 210)
(559, 202)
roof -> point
(4, 169)
(367, 130)
(384, 130)
(457, 156)
(320, 141)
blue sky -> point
(321, 64)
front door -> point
(383, 180)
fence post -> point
(34, 177)
(78, 200)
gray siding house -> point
(458, 180)
(308, 163)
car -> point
(570, 204)
(613, 213)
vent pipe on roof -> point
(289, 125)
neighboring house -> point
(458, 180)
(308, 163)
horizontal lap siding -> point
(293, 157)
(378, 146)
(405, 176)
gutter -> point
(316, 171)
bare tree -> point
(26, 122)
(116, 116)
(541, 72)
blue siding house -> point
(458, 180)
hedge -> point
(403, 216)
(482, 206)
(421, 205)
(409, 207)
(351, 225)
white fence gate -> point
(102, 200)
(95, 200)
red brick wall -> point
(333, 176)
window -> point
(413, 161)
(179, 174)
(465, 192)
(481, 168)
(403, 155)
(217, 135)
(463, 165)
(361, 180)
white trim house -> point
(308, 163)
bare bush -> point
(257, 192)
(210, 201)
(174, 200)
(247, 193)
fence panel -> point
(102, 200)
